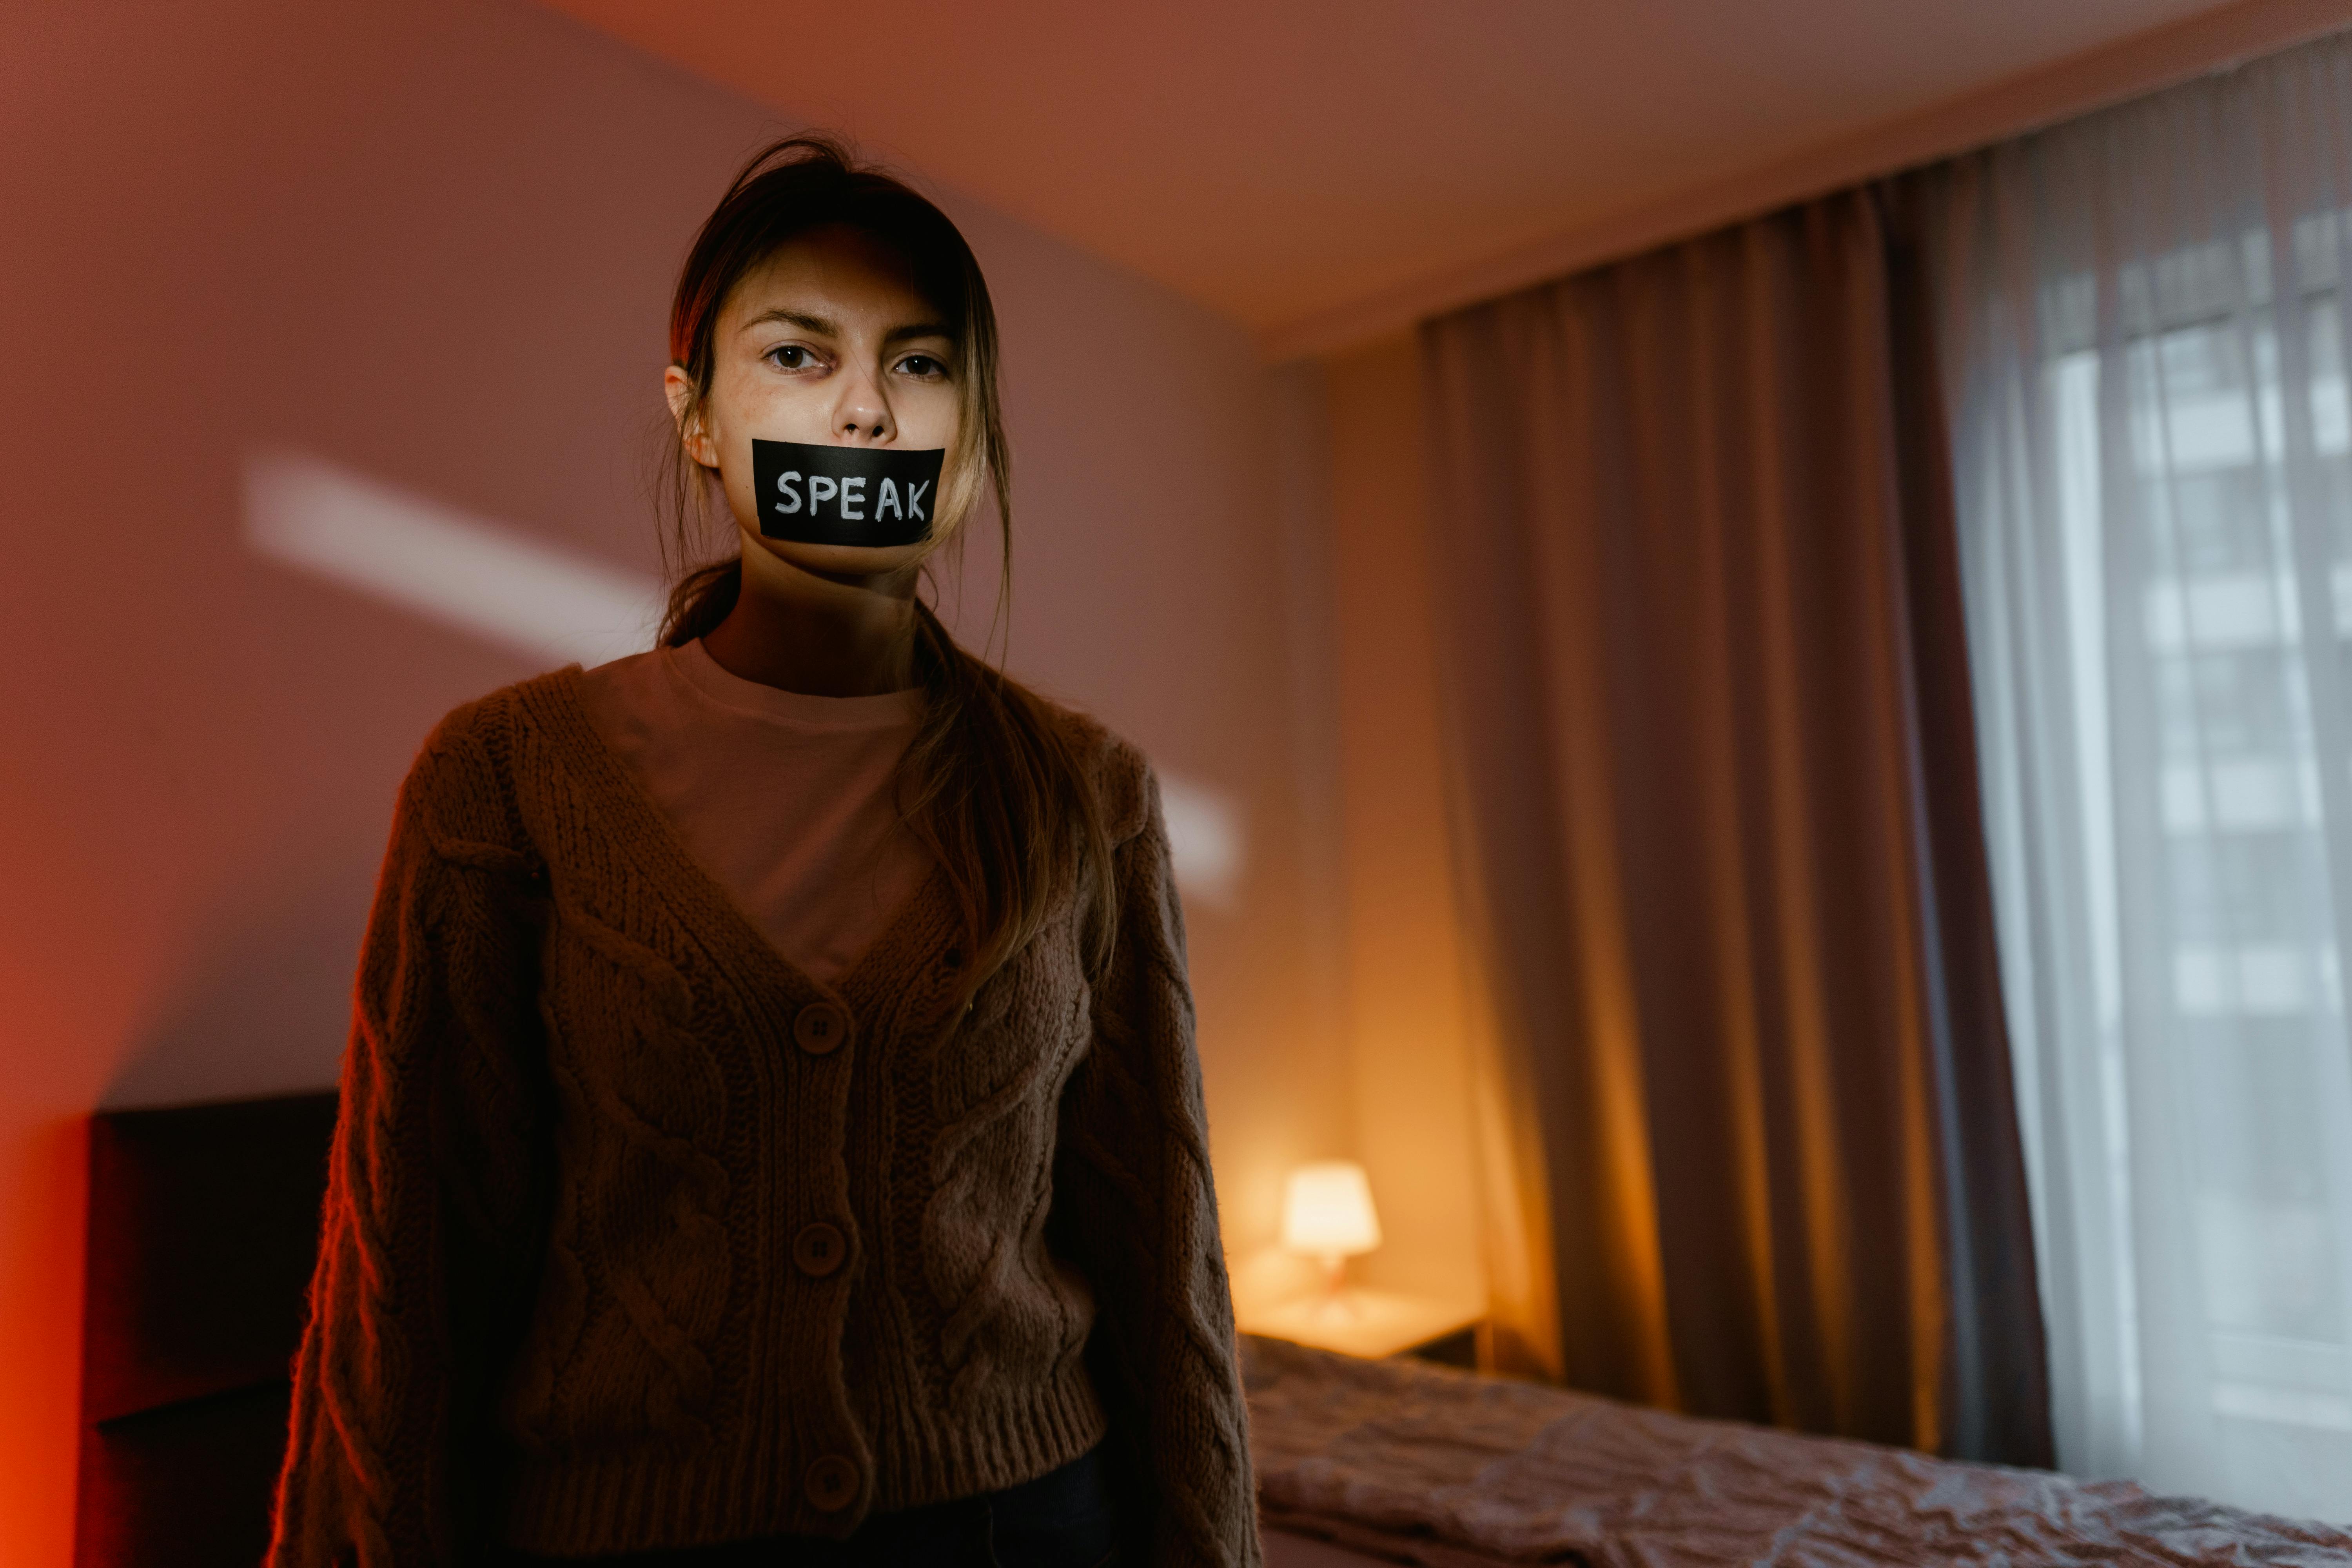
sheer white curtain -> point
(2145, 346)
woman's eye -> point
(922, 365)
(791, 356)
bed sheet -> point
(1402, 1461)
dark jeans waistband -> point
(1063, 1518)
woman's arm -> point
(1135, 1199)
(428, 1240)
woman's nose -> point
(864, 414)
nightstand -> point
(1374, 1323)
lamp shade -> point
(1327, 1210)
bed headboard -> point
(204, 1223)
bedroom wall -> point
(1410, 1024)
(431, 244)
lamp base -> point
(1338, 1306)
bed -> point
(202, 1225)
(1403, 1461)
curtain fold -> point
(1747, 1082)
(2146, 344)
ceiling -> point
(1280, 161)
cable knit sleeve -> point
(423, 1277)
(1136, 1203)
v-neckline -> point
(609, 773)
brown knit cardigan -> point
(637, 1237)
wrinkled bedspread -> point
(1424, 1464)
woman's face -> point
(827, 341)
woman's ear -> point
(692, 434)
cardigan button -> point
(831, 1483)
(820, 1027)
(818, 1249)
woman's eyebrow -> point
(826, 327)
(800, 319)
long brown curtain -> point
(1752, 1147)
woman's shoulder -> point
(1115, 768)
(462, 782)
(486, 728)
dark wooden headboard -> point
(204, 1223)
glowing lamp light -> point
(1327, 1213)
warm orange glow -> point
(1327, 1211)
(42, 1162)
(1407, 998)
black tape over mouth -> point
(844, 495)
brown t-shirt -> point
(784, 798)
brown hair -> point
(991, 783)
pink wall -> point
(432, 243)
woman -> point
(772, 1130)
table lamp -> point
(1327, 1213)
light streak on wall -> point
(467, 572)
(486, 579)
(1204, 839)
